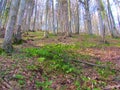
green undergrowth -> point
(57, 51)
(51, 57)
(86, 36)
(56, 59)
(2, 52)
(85, 44)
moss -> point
(1, 51)
(7, 47)
(17, 42)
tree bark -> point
(46, 20)
(53, 21)
(113, 30)
(101, 21)
(77, 18)
(18, 36)
(69, 19)
(88, 17)
(34, 22)
(7, 44)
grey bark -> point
(34, 23)
(2, 9)
(77, 18)
(30, 12)
(88, 17)
(69, 31)
(53, 21)
(101, 22)
(7, 44)
(113, 30)
(18, 37)
(46, 20)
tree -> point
(88, 17)
(17, 36)
(46, 20)
(7, 44)
(2, 9)
(77, 18)
(69, 18)
(101, 18)
(53, 17)
(35, 9)
(113, 29)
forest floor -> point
(80, 62)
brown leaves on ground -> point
(106, 54)
(63, 80)
(9, 66)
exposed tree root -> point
(94, 65)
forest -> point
(59, 45)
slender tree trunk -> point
(101, 22)
(34, 23)
(1, 2)
(7, 44)
(88, 17)
(46, 20)
(17, 36)
(2, 9)
(69, 19)
(1, 5)
(53, 21)
(30, 11)
(77, 18)
(113, 30)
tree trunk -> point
(113, 29)
(53, 17)
(77, 18)
(7, 44)
(17, 36)
(101, 22)
(69, 19)
(46, 20)
(34, 23)
(2, 9)
(88, 17)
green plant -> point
(51, 56)
(21, 82)
(41, 59)
(77, 84)
(105, 72)
(19, 76)
(1, 51)
(45, 85)
(32, 67)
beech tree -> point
(17, 36)
(7, 44)
(58, 16)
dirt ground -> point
(16, 64)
